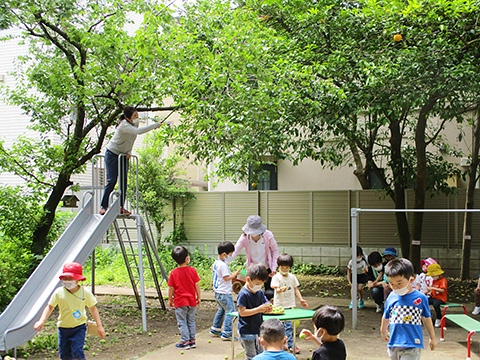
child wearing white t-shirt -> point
(222, 285)
(285, 285)
(422, 281)
(362, 279)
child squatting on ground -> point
(222, 286)
(376, 280)
(328, 322)
(71, 299)
(251, 304)
(184, 294)
(273, 339)
(285, 286)
(405, 309)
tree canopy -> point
(339, 82)
(83, 67)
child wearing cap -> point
(438, 291)
(71, 299)
(390, 253)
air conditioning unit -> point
(465, 161)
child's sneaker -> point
(102, 211)
(361, 304)
(183, 345)
(476, 311)
(215, 332)
(351, 305)
(227, 337)
(379, 309)
(192, 344)
(438, 323)
(297, 350)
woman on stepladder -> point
(121, 143)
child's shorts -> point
(361, 278)
(404, 353)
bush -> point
(19, 214)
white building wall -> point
(13, 122)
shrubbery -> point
(110, 267)
(19, 214)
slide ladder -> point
(129, 247)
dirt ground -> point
(126, 340)
(123, 323)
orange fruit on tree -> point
(397, 37)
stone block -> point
(329, 251)
(295, 251)
(329, 260)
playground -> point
(126, 340)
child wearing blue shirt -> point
(405, 310)
(273, 339)
(251, 304)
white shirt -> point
(125, 136)
(221, 269)
(257, 251)
(424, 281)
(360, 266)
(285, 299)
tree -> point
(82, 68)
(159, 180)
(326, 80)
(470, 200)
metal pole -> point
(93, 272)
(140, 270)
(354, 215)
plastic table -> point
(289, 315)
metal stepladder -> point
(134, 235)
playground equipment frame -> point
(354, 216)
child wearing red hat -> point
(71, 299)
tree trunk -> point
(398, 195)
(421, 181)
(469, 201)
(40, 234)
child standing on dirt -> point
(71, 299)
(222, 286)
(328, 322)
(285, 285)
(438, 291)
(405, 310)
(252, 303)
(362, 269)
(184, 294)
(272, 338)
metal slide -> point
(76, 244)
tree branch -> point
(101, 20)
(28, 173)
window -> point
(263, 179)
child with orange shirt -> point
(438, 290)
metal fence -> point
(315, 225)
